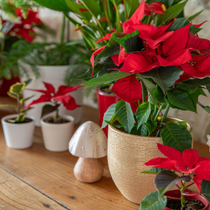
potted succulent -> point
(57, 130)
(187, 168)
(18, 128)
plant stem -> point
(163, 119)
(104, 2)
(18, 105)
(56, 112)
(63, 29)
(126, 14)
(158, 112)
(143, 91)
(182, 196)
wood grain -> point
(52, 173)
(16, 195)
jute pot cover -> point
(126, 155)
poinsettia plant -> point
(187, 168)
(61, 96)
(17, 23)
(160, 65)
(16, 92)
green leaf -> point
(124, 115)
(131, 6)
(206, 108)
(166, 179)
(193, 83)
(208, 88)
(19, 119)
(151, 126)
(154, 170)
(179, 23)
(142, 113)
(205, 189)
(150, 89)
(174, 11)
(165, 77)
(59, 5)
(181, 100)
(108, 115)
(176, 136)
(152, 202)
(9, 106)
(17, 88)
(193, 29)
(112, 47)
(106, 78)
(195, 15)
(143, 130)
(92, 6)
(159, 95)
(112, 124)
(48, 109)
(130, 42)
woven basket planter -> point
(126, 155)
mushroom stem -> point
(88, 170)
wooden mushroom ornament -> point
(89, 144)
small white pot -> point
(57, 136)
(18, 135)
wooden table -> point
(35, 178)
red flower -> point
(158, 8)
(128, 89)
(107, 37)
(61, 95)
(198, 66)
(188, 163)
(147, 11)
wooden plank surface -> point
(16, 195)
(52, 173)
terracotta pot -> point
(18, 135)
(57, 136)
(126, 155)
(189, 195)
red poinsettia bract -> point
(61, 95)
(187, 163)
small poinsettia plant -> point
(186, 168)
(61, 96)
(16, 92)
(159, 62)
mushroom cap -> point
(87, 143)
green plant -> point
(187, 168)
(16, 92)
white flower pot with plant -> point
(18, 128)
(57, 130)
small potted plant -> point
(18, 128)
(186, 168)
(57, 130)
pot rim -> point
(103, 93)
(188, 194)
(128, 135)
(3, 119)
(68, 117)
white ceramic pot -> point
(18, 135)
(57, 136)
(55, 76)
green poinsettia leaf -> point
(130, 42)
(174, 11)
(166, 179)
(58, 5)
(194, 83)
(181, 100)
(151, 126)
(106, 78)
(154, 170)
(205, 189)
(193, 29)
(124, 115)
(142, 113)
(143, 130)
(159, 95)
(179, 23)
(165, 77)
(152, 202)
(108, 115)
(176, 136)
(112, 124)
(150, 89)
